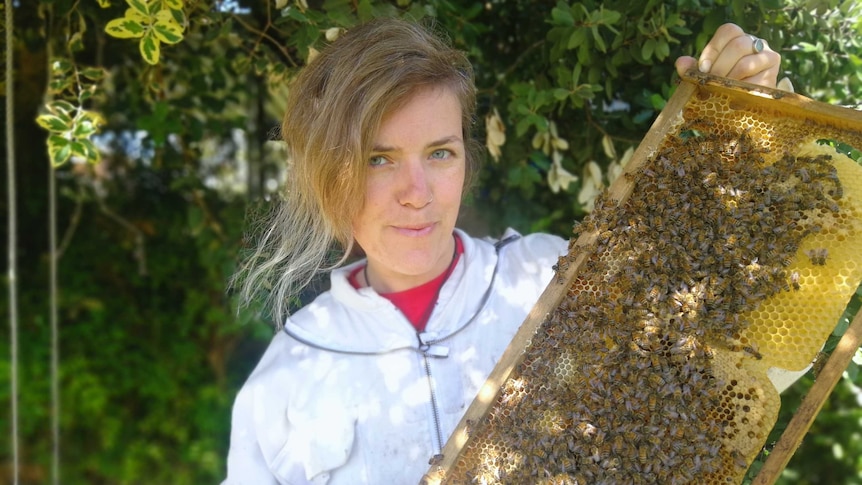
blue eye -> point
(377, 161)
(441, 154)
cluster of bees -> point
(620, 385)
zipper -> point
(430, 350)
(434, 406)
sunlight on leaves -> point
(153, 22)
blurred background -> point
(146, 131)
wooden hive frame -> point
(823, 121)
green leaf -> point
(561, 15)
(600, 42)
(59, 85)
(173, 4)
(139, 6)
(841, 327)
(62, 109)
(647, 49)
(808, 47)
(540, 160)
(52, 123)
(577, 38)
(166, 29)
(150, 50)
(93, 117)
(77, 148)
(576, 74)
(76, 42)
(90, 152)
(560, 94)
(84, 129)
(85, 149)
(241, 63)
(93, 73)
(662, 49)
(609, 17)
(852, 371)
(84, 95)
(59, 150)
(179, 16)
(522, 126)
(60, 66)
(738, 8)
(104, 3)
(657, 101)
(124, 28)
(295, 14)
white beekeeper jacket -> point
(349, 393)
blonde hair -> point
(334, 109)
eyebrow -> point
(436, 143)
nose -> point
(415, 185)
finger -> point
(738, 50)
(767, 78)
(684, 64)
(765, 65)
(725, 34)
(739, 60)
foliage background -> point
(163, 157)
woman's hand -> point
(734, 54)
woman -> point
(365, 384)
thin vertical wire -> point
(53, 294)
(55, 331)
(12, 236)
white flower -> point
(558, 177)
(332, 33)
(608, 147)
(592, 186)
(312, 53)
(496, 134)
(627, 156)
(557, 142)
(542, 140)
(616, 168)
(550, 140)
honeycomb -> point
(730, 247)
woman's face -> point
(413, 192)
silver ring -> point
(757, 45)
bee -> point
(586, 429)
(540, 454)
(794, 280)
(642, 454)
(436, 460)
(738, 459)
(560, 268)
(818, 256)
(468, 430)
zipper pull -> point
(431, 349)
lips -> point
(416, 230)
